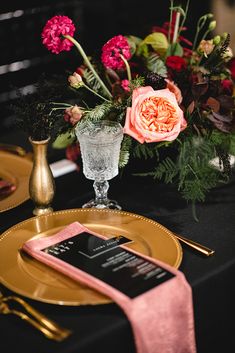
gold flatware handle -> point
(16, 150)
(4, 309)
(42, 319)
(13, 148)
(199, 247)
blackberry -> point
(154, 80)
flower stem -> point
(200, 24)
(88, 63)
(64, 104)
(170, 24)
(94, 92)
(128, 70)
(194, 211)
(184, 18)
(205, 34)
(176, 29)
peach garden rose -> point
(154, 116)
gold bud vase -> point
(41, 182)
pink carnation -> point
(125, 85)
(111, 52)
(53, 32)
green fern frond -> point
(195, 189)
(196, 175)
(92, 81)
(99, 112)
(137, 82)
(166, 170)
(145, 151)
(125, 151)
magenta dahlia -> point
(111, 52)
(53, 32)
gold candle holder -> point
(41, 182)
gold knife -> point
(199, 247)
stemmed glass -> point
(100, 144)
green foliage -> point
(64, 139)
(191, 170)
(145, 151)
(99, 111)
(133, 42)
(166, 170)
(137, 82)
(92, 81)
(156, 65)
(196, 175)
(125, 151)
(175, 49)
(232, 144)
(158, 42)
(221, 139)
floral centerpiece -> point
(170, 95)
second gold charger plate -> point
(17, 171)
(31, 278)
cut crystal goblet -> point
(100, 144)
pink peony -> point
(154, 116)
(174, 89)
(73, 114)
(111, 52)
(53, 32)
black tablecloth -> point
(104, 328)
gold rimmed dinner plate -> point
(17, 171)
(31, 278)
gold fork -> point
(5, 309)
(42, 321)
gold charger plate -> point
(26, 276)
(16, 170)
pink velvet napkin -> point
(162, 318)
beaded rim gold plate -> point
(31, 278)
(17, 171)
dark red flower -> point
(227, 87)
(176, 63)
(73, 154)
(232, 68)
(80, 70)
